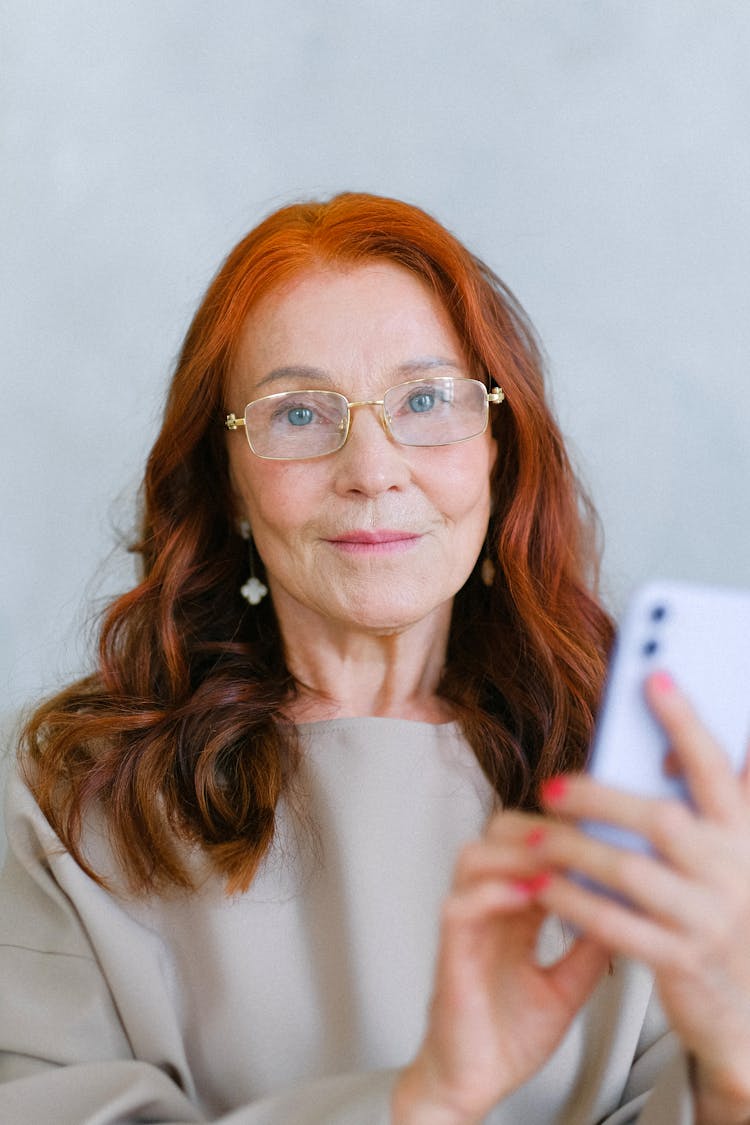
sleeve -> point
(658, 1091)
(65, 1055)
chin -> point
(386, 618)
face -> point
(377, 536)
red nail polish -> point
(534, 837)
(532, 886)
(553, 789)
(662, 682)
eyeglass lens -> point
(304, 424)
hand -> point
(689, 917)
(496, 1015)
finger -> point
(466, 914)
(679, 899)
(510, 824)
(706, 768)
(702, 849)
(487, 860)
(612, 925)
(502, 847)
(666, 825)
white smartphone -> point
(701, 636)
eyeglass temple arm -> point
(233, 422)
(497, 395)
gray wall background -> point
(596, 154)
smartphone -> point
(701, 636)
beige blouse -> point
(297, 1002)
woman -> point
(285, 859)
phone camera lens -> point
(650, 648)
(658, 613)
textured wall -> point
(596, 154)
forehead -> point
(359, 323)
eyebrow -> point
(318, 375)
(428, 363)
(293, 372)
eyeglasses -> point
(305, 424)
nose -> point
(371, 462)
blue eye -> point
(300, 415)
(421, 402)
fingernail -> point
(532, 886)
(553, 789)
(534, 837)
(662, 682)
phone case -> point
(701, 636)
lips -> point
(381, 541)
(373, 537)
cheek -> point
(276, 497)
(460, 486)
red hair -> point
(180, 731)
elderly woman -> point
(298, 849)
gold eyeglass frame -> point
(232, 422)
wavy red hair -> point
(180, 732)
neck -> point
(347, 672)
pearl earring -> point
(253, 591)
